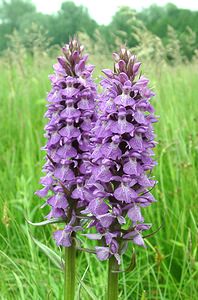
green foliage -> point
(20, 15)
(12, 11)
(149, 46)
(173, 47)
(183, 21)
(123, 24)
(168, 26)
(69, 20)
(188, 42)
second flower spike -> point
(122, 157)
(70, 110)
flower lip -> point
(141, 129)
(126, 90)
(86, 93)
(69, 121)
(126, 179)
(79, 180)
(70, 81)
(99, 194)
(116, 139)
(70, 102)
(85, 156)
(122, 112)
(103, 118)
(87, 114)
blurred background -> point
(164, 36)
(166, 33)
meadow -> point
(168, 268)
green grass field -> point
(168, 268)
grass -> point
(168, 268)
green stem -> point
(112, 291)
(70, 270)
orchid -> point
(99, 158)
(122, 160)
(71, 113)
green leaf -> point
(52, 255)
(154, 232)
(88, 290)
(51, 221)
(132, 265)
(143, 297)
(20, 286)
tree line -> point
(71, 19)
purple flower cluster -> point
(121, 158)
(71, 113)
(99, 161)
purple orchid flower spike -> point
(70, 110)
(99, 157)
(122, 157)
(71, 114)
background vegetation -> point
(162, 22)
(166, 42)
